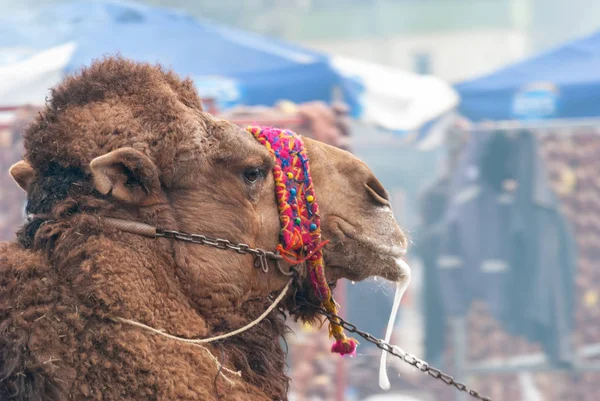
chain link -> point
(262, 256)
(404, 356)
(218, 243)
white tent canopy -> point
(398, 100)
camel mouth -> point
(384, 260)
(395, 270)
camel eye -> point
(253, 174)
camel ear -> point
(127, 175)
(23, 174)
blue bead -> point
(293, 191)
(313, 227)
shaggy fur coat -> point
(67, 276)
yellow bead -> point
(310, 198)
(290, 175)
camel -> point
(130, 141)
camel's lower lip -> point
(398, 272)
(404, 269)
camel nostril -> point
(377, 191)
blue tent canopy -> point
(239, 67)
(562, 83)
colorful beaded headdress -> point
(299, 215)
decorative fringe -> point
(300, 221)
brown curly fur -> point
(58, 344)
(68, 274)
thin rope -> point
(220, 367)
(199, 341)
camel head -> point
(131, 141)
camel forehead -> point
(79, 134)
(188, 145)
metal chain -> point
(404, 356)
(219, 243)
(262, 256)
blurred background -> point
(482, 118)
